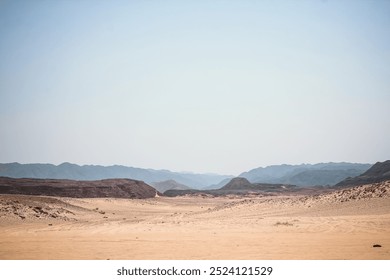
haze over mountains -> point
(321, 174)
(379, 172)
(168, 185)
(130, 188)
(96, 172)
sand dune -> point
(343, 224)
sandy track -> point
(195, 228)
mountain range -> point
(130, 188)
(321, 174)
(96, 172)
(303, 175)
(379, 172)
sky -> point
(200, 86)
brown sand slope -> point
(340, 225)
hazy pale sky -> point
(202, 86)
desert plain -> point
(344, 224)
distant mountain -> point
(320, 177)
(379, 172)
(321, 174)
(219, 185)
(240, 184)
(325, 174)
(168, 185)
(242, 187)
(97, 172)
(119, 188)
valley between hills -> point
(95, 220)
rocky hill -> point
(238, 183)
(352, 193)
(116, 188)
(379, 172)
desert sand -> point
(339, 225)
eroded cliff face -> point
(116, 188)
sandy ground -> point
(325, 227)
